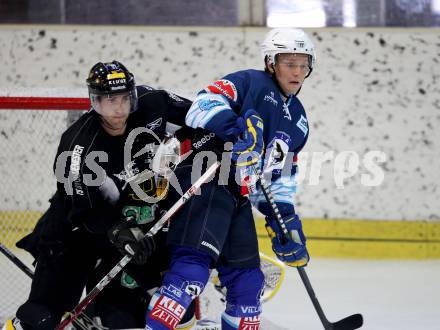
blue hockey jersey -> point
(286, 129)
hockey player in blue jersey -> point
(259, 113)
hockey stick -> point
(17, 262)
(354, 321)
(83, 321)
(126, 259)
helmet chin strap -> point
(275, 80)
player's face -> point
(114, 111)
(291, 70)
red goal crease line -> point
(44, 103)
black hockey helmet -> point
(112, 78)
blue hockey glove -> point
(247, 150)
(291, 250)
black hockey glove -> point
(129, 239)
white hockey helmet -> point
(287, 40)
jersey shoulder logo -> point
(271, 98)
(155, 124)
(149, 88)
(224, 87)
(303, 125)
(209, 104)
(174, 97)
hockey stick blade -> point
(126, 259)
(351, 322)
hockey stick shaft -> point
(17, 262)
(302, 273)
(20, 264)
(126, 259)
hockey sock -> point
(240, 322)
(186, 279)
(244, 289)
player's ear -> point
(268, 65)
(271, 68)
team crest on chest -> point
(277, 152)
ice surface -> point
(403, 295)
(400, 295)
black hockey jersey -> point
(86, 151)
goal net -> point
(30, 131)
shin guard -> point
(185, 280)
(244, 289)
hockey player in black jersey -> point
(94, 166)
